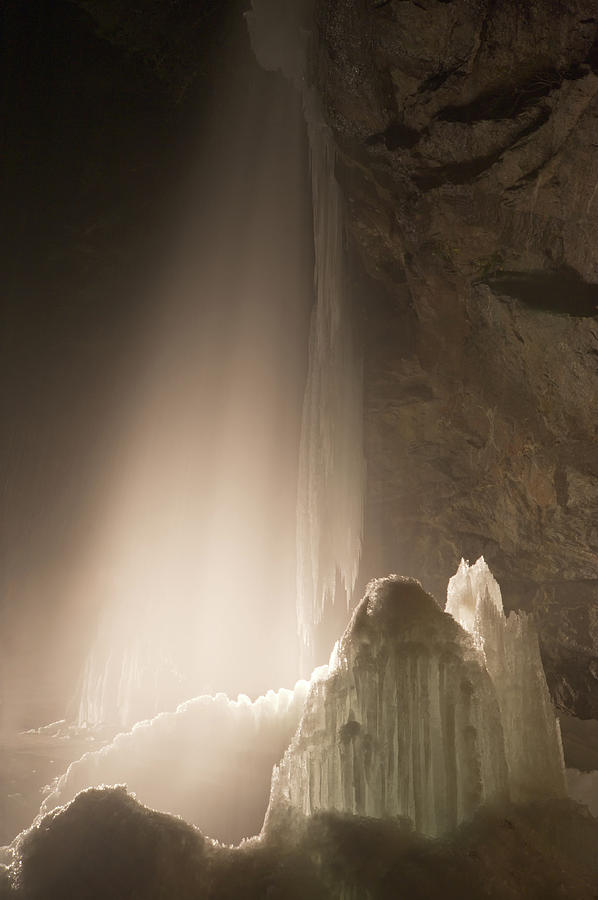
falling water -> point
(193, 561)
(197, 488)
(331, 465)
(331, 481)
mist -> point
(178, 575)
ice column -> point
(405, 724)
(512, 657)
(424, 714)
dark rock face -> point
(467, 134)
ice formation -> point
(331, 481)
(422, 718)
(509, 647)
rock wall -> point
(467, 134)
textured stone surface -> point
(467, 136)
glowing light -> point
(193, 562)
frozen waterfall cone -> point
(510, 651)
(408, 721)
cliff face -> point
(467, 134)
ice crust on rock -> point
(422, 718)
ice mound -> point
(103, 845)
(423, 718)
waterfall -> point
(331, 465)
(331, 482)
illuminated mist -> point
(228, 514)
(193, 563)
(198, 543)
